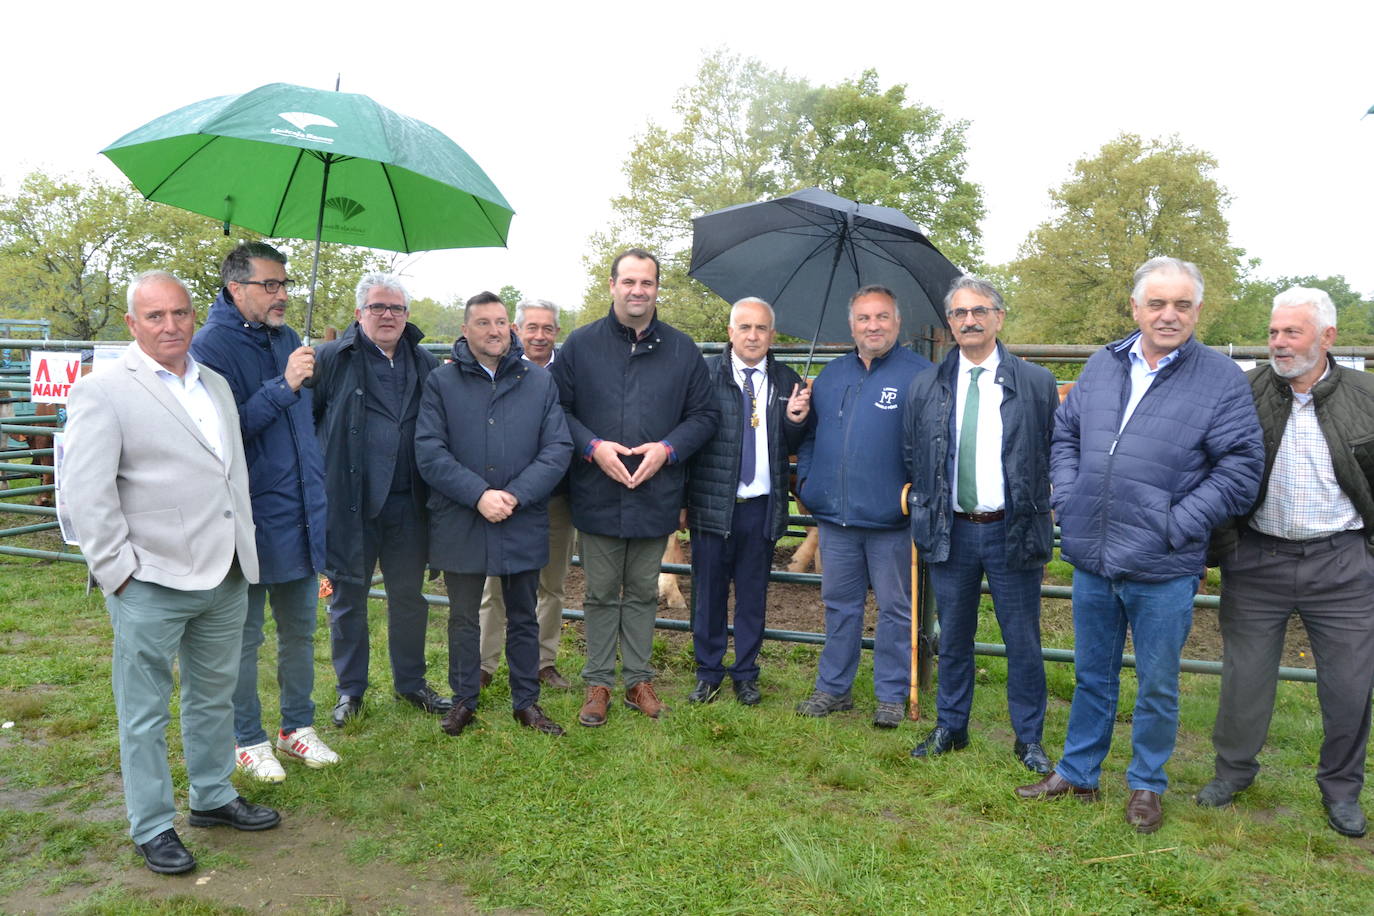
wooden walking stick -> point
(914, 706)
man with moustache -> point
(155, 477)
(850, 471)
(977, 446)
(1305, 549)
(1157, 444)
(367, 395)
(246, 339)
(492, 443)
(536, 324)
(639, 404)
(737, 500)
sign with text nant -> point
(51, 376)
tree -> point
(441, 323)
(747, 133)
(69, 247)
(1135, 200)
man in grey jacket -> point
(157, 485)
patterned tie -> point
(968, 445)
(748, 459)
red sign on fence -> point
(51, 376)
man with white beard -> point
(1305, 547)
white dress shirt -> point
(991, 489)
(761, 484)
(194, 398)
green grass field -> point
(718, 809)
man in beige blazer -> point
(155, 481)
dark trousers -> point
(745, 558)
(397, 537)
(465, 636)
(1329, 583)
(975, 550)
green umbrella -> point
(293, 162)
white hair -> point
(150, 276)
(525, 305)
(753, 300)
(1166, 265)
(1323, 309)
(380, 280)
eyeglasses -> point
(382, 308)
(271, 286)
(978, 311)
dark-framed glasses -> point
(271, 286)
(979, 312)
(381, 308)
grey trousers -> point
(550, 607)
(1329, 583)
(154, 625)
(620, 606)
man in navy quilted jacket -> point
(1157, 444)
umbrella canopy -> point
(808, 252)
(259, 160)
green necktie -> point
(968, 445)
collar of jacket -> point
(465, 359)
(1121, 349)
(224, 311)
(727, 365)
(1320, 391)
(354, 333)
(628, 332)
(1006, 366)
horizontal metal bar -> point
(1195, 666)
(25, 508)
(32, 469)
(28, 491)
(25, 453)
(27, 529)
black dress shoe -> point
(1032, 756)
(533, 717)
(165, 855)
(705, 692)
(1344, 817)
(347, 708)
(428, 700)
(747, 692)
(239, 814)
(941, 740)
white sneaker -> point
(307, 747)
(258, 761)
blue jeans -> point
(853, 559)
(975, 549)
(294, 607)
(1159, 614)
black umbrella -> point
(808, 252)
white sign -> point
(1351, 362)
(51, 376)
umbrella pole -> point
(834, 265)
(315, 264)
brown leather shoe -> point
(550, 676)
(457, 719)
(533, 717)
(1056, 786)
(1143, 811)
(486, 680)
(593, 712)
(642, 697)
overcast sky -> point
(548, 98)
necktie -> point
(748, 458)
(968, 445)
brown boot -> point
(593, 712)
(642, 697)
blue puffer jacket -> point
(1140, 504)
(849, 468)
(285, 465)
(1029, 400)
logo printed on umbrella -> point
(346, 207)
(302, 120)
